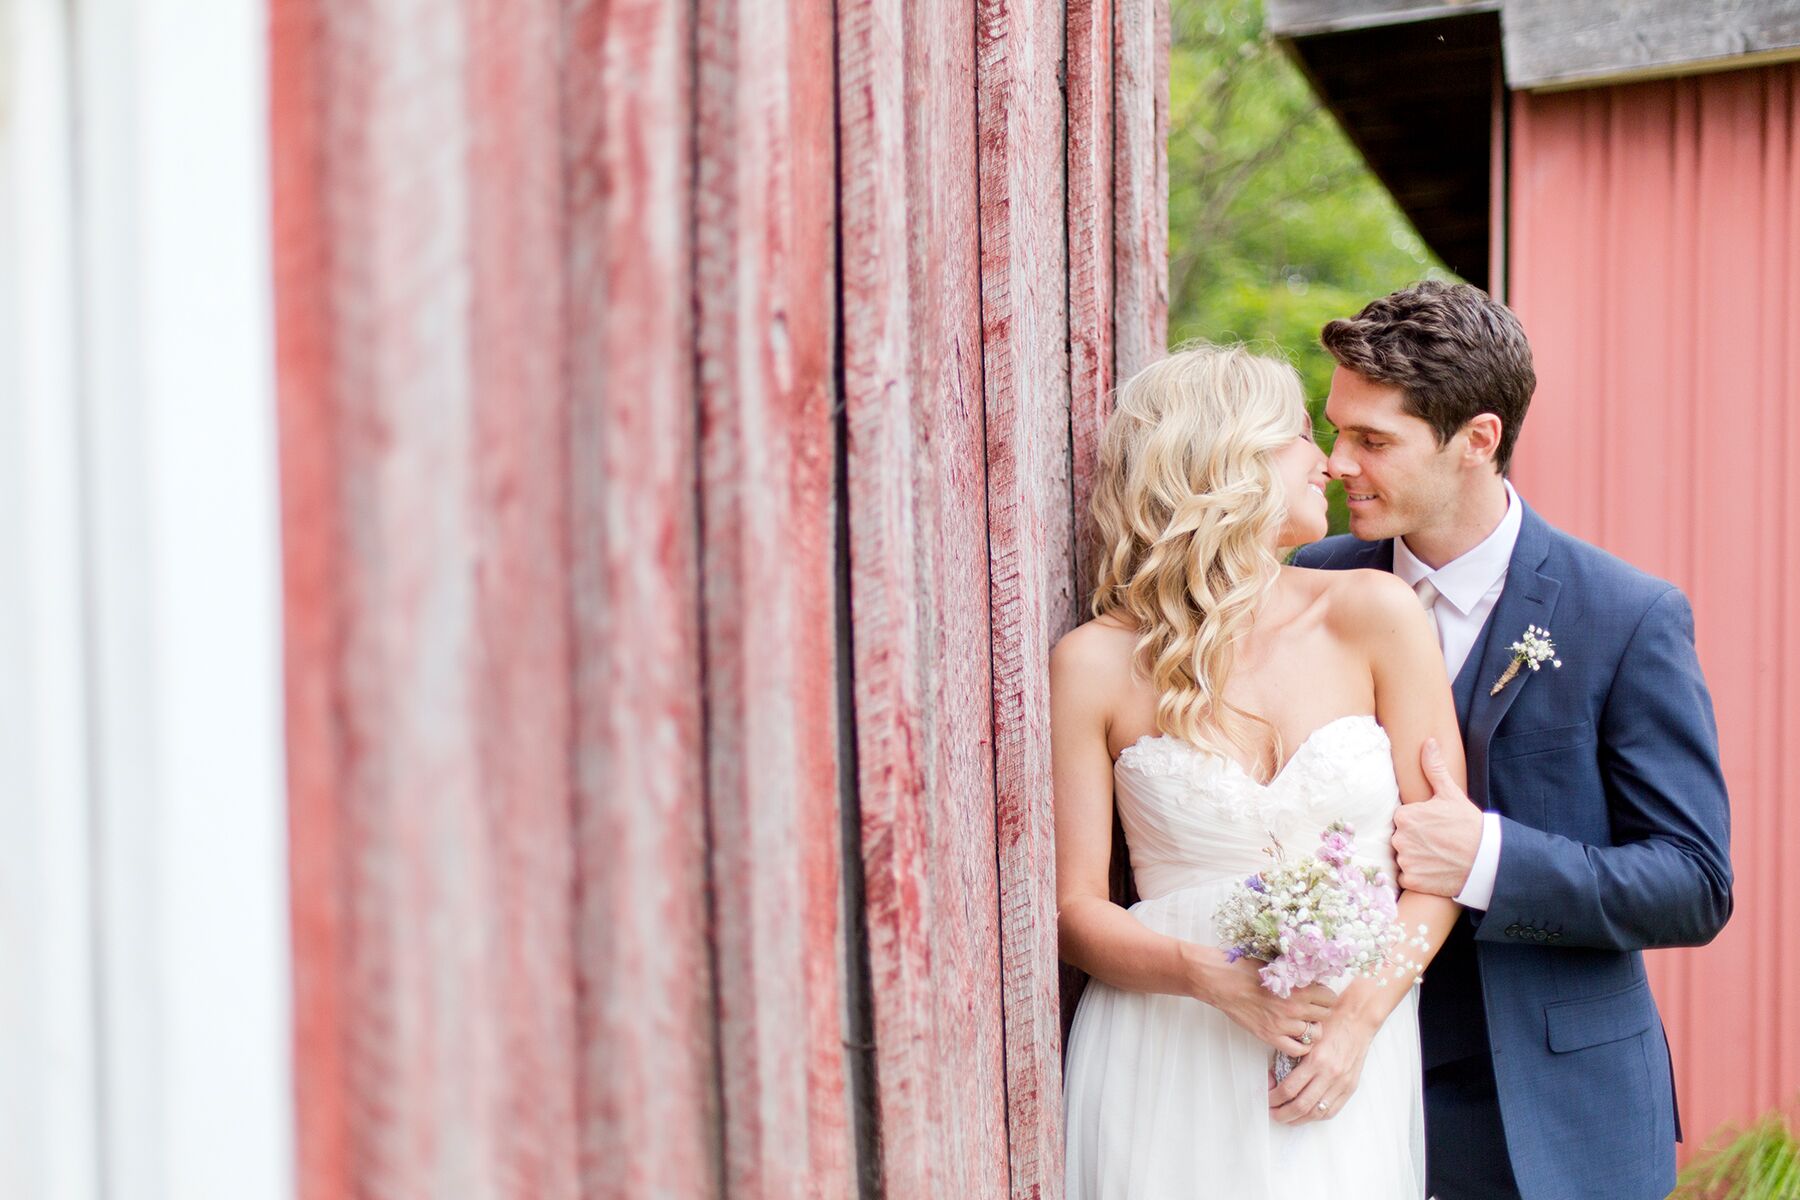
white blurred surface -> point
(143, 868)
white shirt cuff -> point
(1478, 888)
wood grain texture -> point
(372, 747)
(1654, 245)
(648, 1071)
(521, 645)
(763, 224)
(1140, 184)
(556, 332)
(919, 598)
(308, 419)
(1562, 43)
(1090, 216)
(428, 636)
(945, 333)
(1024, 309)
(884, 578)
(446, 514)
(1091, 244)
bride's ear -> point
(1484, 438)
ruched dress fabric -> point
(1165, 1096)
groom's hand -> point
(1435, 840)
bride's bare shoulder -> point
(1364, 601)
(1102, 646)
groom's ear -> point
(1483, 445)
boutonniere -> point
(1534, 651)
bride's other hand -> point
(1327, 1077)
(1280, 1024)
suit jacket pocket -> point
(1578, 1024)
(1540, 741)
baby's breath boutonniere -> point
(1534, 651)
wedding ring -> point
(1306, 1038)
(1324, 1107)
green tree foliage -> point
(1275, 223)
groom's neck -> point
(1462, 526)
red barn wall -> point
(1655, 261)
(685, 415)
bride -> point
(1224, 702)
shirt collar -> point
(1464, 580)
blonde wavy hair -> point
(1187, 506)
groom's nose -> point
(1340, 464)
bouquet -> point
(1312, 920)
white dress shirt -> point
(1468, 587)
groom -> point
(1595, 824)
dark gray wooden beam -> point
(1569, 43)
(1303, 18)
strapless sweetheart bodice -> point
(1192, 817)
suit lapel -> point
(1529, 598)
(1462, 688)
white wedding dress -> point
(1165, 1095)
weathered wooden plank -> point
(648, 1067)
(1025, 315)
(945, 333)
(1140, 183)
(764, 227)
(919, 592)
(884, 579)
(1563, 43)
(520, 629)
(1090, 216)
(387, 731)
(1090, 191)
(308, 422)
(428, 653)
(1300, 18)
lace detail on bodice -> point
(1192, 816)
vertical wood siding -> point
(1024, 316)
(1655, 258)
(1140, 183)
(763, 228)
(1090, 192)
(572, 303)
(419, 242)
(918, 591)
(884, 573)
(647, 1055)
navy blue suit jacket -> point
(1615, 839)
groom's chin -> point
(1366, 528)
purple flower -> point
(1255, 884)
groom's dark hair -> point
(1452, 349)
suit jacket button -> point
(1512, 930)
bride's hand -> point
(1238, 993)
(1318, 1089)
